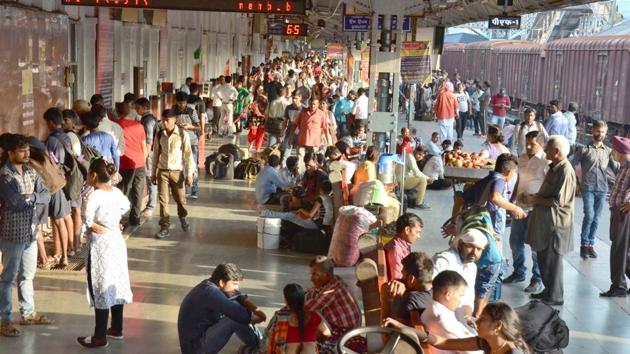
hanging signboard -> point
(415, 62)
(358, 23)
(335, 51)
(504, 22)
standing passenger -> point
(107, 271)
(550, 228)
(620, 221)
(171, 155)
(595, 159)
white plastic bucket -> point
(267, 241)
(268, 235)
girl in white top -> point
(108, 275)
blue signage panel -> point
(358, 23)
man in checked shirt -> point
(620, 221)
(333, 299)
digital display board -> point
(295, 29)
(246, 6)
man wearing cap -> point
(550, 227)
(620, 221)
(465, 250)
(595, 159)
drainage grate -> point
(75, 263)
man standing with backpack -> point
(59, 145)
(172, 154)
(188, 120)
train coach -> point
(592, 71)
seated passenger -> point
(333, 299)
(434, 144)
(269, 185)
(434, 169)
(366, 171)
(408, 230)
(294, 329)
(461, 257)
(439, 318)
(499, 332)
(319, 216)
(313, 179)
(290, 175)
(415, 179)
(417, 275)
(214, 310)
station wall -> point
(170, 46)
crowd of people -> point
(97, 166)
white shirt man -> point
(451, 260)
(360, 108)
(529, 125)
(441, 321)
(531, 172)
(227, 94)
(434, 168)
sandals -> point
(35, 319)
(9, 330)
(48, 264)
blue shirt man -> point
(214, 310)
(268, 181)
(557, 123)
(342, 108)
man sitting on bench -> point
(439, 318)
(417, 275)
(331, 297)
(408, 230)
(461, 257)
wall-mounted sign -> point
(504, 22)
(357, 23)
(275, 28)
(253, 6)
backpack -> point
(252, 168)
(273, 126)
(240, 170)
(233, 150)
(209, 163)
(156, 139)
(223, 167)
(543, 329)
(52, 176)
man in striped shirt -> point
(620, 221)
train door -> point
(601, 68)
(499, 68)
(557, 76)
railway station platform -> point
(223, 229)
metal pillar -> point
(384, 74)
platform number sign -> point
(295, 29)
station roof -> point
(443, 12)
